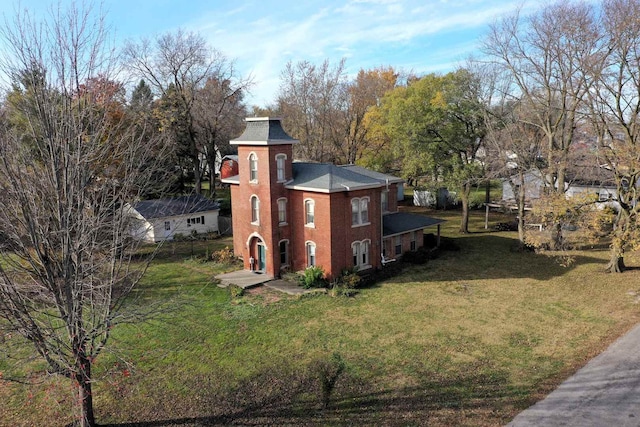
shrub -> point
(313, 277)
(420, 256)
(223, 256)
(346, 284)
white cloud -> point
(264, 36)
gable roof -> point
(263, 131)
(329, 178)
(403, 222)
(184, 205)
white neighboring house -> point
(534, 184)
(162, 219)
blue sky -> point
(262, 35)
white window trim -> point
(284, 167)
(357, 247)
(359, 222)
(307, 245)
(257, 209)
(286, 254)
(282, 199)
(253, 154)
(313, 208)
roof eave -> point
(332, 190)
(265, 143)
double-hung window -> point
(311, 254)
(284, 253)
(282, 211)
(309, 213)
(253, 167)
(384, 200)
(280, 171)
(255, 210)
(360, 211)
(361, 254)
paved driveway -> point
(604, 393)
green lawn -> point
(470, 338)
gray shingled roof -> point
(264, 130)
(402, 222)
(329, 178)
(162, 208)
(382, 177)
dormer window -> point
(253, 167)
(280, 167)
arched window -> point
(255, 209)
(311, 254)
(361, 254)
(282, 211)
(309, 212)
(284, 253)
(253, 167)
(360, 211)
(280, 167)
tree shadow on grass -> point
(471, 397)
(479, 256)
(491, 256)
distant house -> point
(229, 166)
(604, 189)
(533, 185)
(163, 219)
(291, 215)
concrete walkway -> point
(243, 278)
(291, 288)
(248, 279)
(605, 392)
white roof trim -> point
(270, 142)
(335, 190)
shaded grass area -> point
(470, 338)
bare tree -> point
(546, 55)
(615, 114)
(178, 66)
(218, 115)
(70, 160)
(310, 99)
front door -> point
(262, 257)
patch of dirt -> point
(267, 295)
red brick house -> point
(291, 215)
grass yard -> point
(470, 338)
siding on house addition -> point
(163, 219)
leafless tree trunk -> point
(512, 146)
(178, 66)
(311, 99)
(546, 55)
(615, 115)
(219, 114)
(69, 163)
